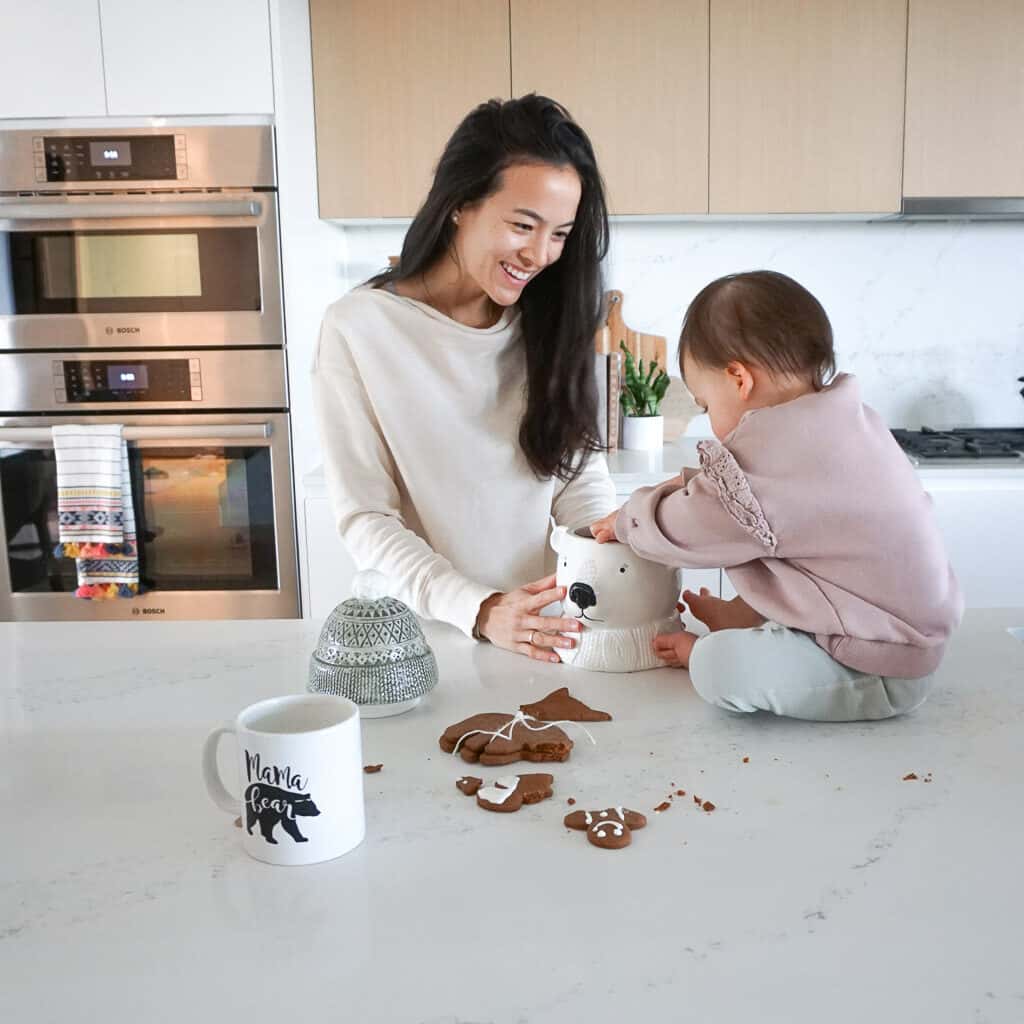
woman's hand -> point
(604, 529)
(513, 620)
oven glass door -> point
(204, 519)
(167, 270)
(213, 521)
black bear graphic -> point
(271, 806)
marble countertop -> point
(823, 886)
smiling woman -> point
(455, 392)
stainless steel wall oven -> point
(140, 284)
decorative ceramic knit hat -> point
(373, 651)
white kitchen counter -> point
(823, 887)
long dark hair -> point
(560, 309)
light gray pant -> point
(772, 668)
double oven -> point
(140, 284)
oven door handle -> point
(10, 436)
(77, 209)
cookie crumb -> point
(707, 806)
(746, 760)
(371, 769)
(697, 800)
(663, 806)
(680, 792)
(238, 822)
(909, 777)
(571, 801)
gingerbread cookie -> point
(469, 784)
(512, 791)
(562, 706)
(611, 829)
(497, 738)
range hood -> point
(963, 208)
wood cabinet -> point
(636, 79)
(189, 57)
(806, 105)
(52, 64)
(392, 79)
(965, 98)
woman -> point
(455, 392)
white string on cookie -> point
(519, 718)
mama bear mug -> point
(300, 765)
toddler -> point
(846, 596)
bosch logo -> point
(128, 330)
(135, 611)
(110, 330)
(152, 611)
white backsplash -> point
(929, 315)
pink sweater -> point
(823, 526)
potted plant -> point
(642, 422)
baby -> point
(846, 596)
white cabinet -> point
(72, 58)
(188, 57)
(329, 568)
(981, 516)
(51, 60)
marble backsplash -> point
(929, 314)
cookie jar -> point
(372, 650)
(623, 601)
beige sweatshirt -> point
(418, 418)
(822, 525)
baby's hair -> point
(760, 317)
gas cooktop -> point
(963, 443)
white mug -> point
(300, 763)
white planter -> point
(643, 433)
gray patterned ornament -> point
(373, 651)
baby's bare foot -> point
(718, 614)
(674, 648)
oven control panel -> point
(108, 158)
(146, 380)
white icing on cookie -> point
(502, 789)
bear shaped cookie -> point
(498, 738)
(610, 829)
(508, 793)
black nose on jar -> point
(582, 595)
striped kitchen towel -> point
(95, 515)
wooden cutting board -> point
(642, 346)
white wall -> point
(929, 315)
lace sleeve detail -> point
(734, 492)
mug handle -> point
(211, 775)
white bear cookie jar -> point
(623, 600)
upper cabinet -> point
(187, 57)
(51, 63)
(80, 58)
(636, 81)
(392, 79)
(807, 105)
(965, 98)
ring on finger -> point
(533, 633)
